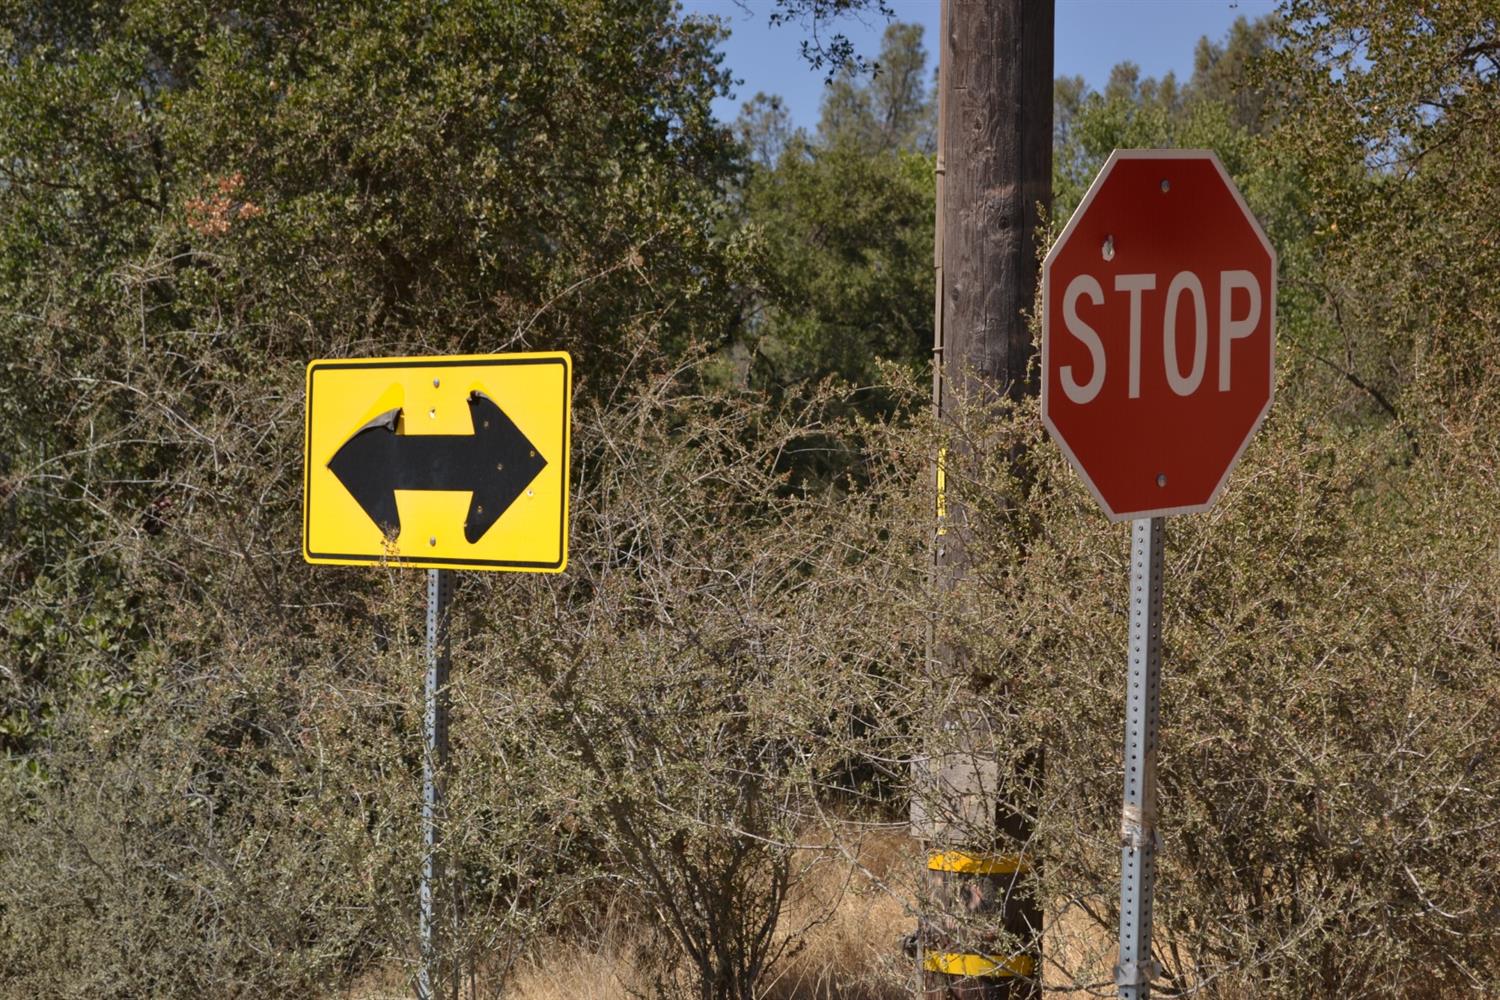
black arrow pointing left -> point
(496, 463)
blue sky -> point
(1092, 36)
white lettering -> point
(1185, 385)
(1088, 285)
(1234, 329)
(1135, 284)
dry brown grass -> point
(569, 971)
(847, 911)
(1078, 953)
(846, 914)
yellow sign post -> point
(439, 462)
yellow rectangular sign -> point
(438, 463)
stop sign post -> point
(1158, 358)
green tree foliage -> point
(1395, 125)
(197, 200)
(845, 219)
(213, 745)
(1209, 112)
(1229, 72)
(885, 108)
(765, 129)
(216, 750)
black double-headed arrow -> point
(496, 463)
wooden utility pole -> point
(994, 168)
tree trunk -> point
(994, 167)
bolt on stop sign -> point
(1158, 324)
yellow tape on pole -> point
(976, 864)
(942, 491)
(986, 966)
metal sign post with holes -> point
(1158, 358)
(439, 464)
(436, 977)
(1138, 814)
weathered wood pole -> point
(994, 168)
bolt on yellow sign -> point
(439, 463)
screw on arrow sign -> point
(496, 462)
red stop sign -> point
(1158, 319)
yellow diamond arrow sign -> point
(440, 463)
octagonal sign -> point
(1158, 332)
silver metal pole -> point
(433, 980)
(1138, 839)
